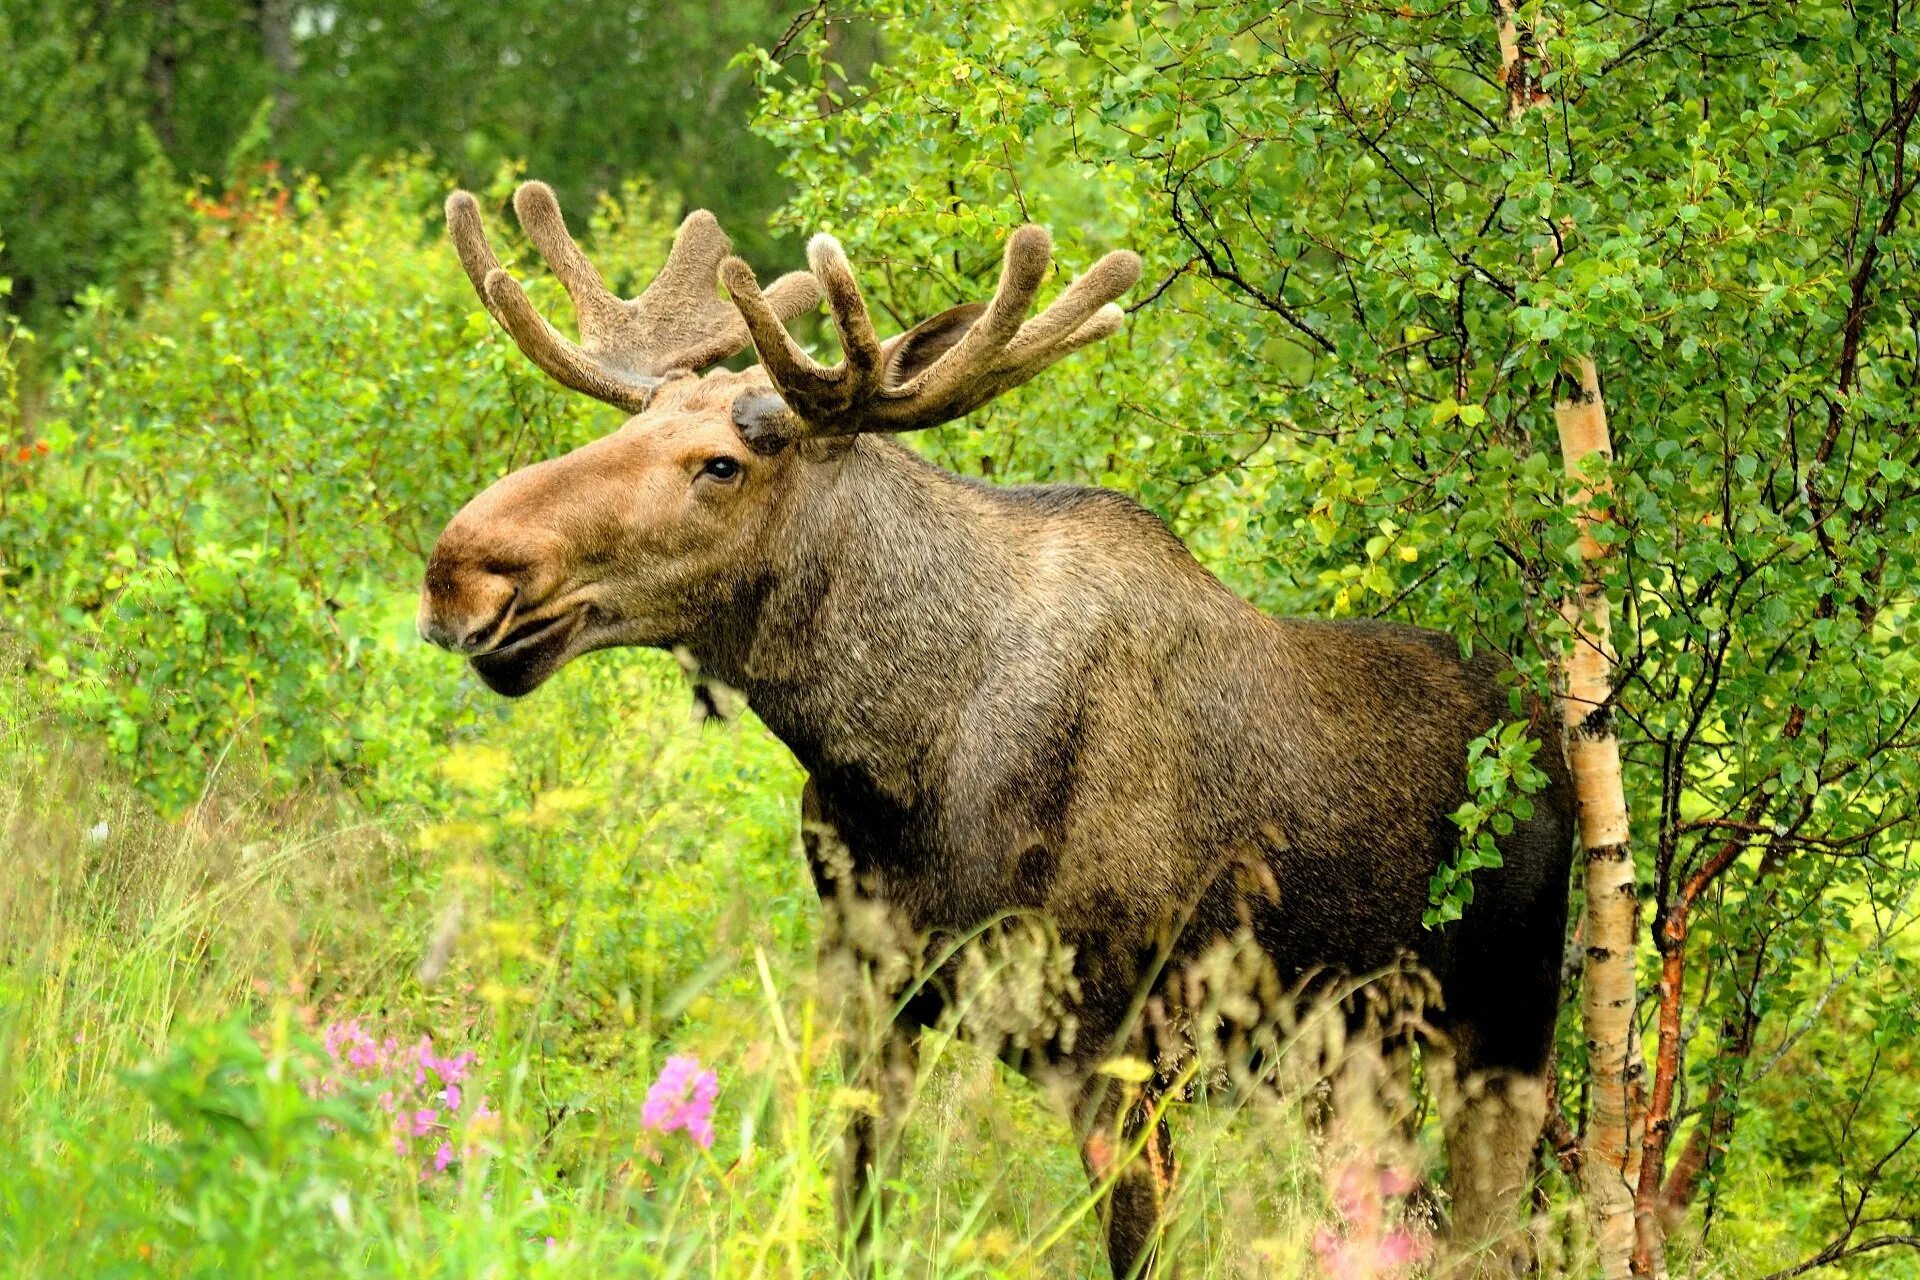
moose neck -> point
(877, 616)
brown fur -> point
(1035, 701)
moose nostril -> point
(478, 634)
(448, 633)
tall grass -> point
(168, 1105)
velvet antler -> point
(942, 369)
(626, 345)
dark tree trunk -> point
(163, 63)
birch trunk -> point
(1611, 1150)
(1610, 1160)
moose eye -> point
(722, 469)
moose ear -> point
(914, 352)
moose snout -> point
(464, 608)
(489, 570)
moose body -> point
(1035, 698)
(1016, 702)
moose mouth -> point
(529, 654)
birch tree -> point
(1611, 1163)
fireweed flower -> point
(421, 1090)
(682, 1098)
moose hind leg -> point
(1492, 1122)
(1128, 1153)
(1490, 1084)
(1501, 994)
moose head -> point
(641, 537)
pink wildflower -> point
(1367, 1256)
(1356, 1192)
(1399, 1248)
(1369, 1244)
(420, 1089)
(682, 1098)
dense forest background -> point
(112, 109)
(1585, 332)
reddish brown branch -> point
(1672, 926)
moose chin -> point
(1013, 703)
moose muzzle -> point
(465, 610)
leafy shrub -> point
(256, 1165)
(246, 474)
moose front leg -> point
(883, 1070)
(866, 962)
(1128, 1153)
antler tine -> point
(546, 226)
(816, 393)
(626, 347)
(1000, 353)
(699, 247)
(1085, 299)
(849, 312)
(785, 362)
(1023, 266)
(569, 365)
(470, 242)
(987, 350)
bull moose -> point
(1009, 700)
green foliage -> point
(13, 335)
(212, 551)
(604, 830)
(586, 94)
(86, 188)
(1501, 776)
(256, 1167)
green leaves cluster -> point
(86, 187)
(244, 477)
(110, 113)
(1501, 779)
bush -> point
(246, 474)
